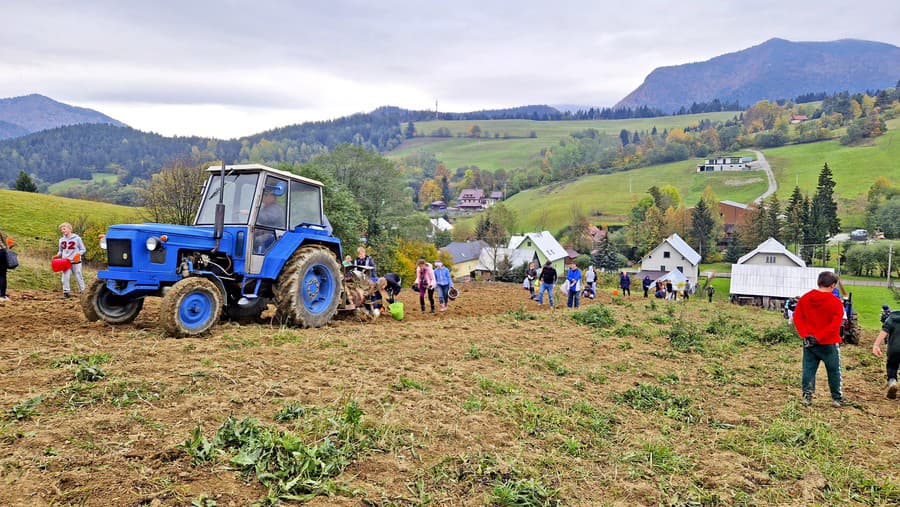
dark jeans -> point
(574, 299)
(626, 291)
(893, 357)
(422, 291)
(831, 356)
(443, 294)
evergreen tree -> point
(774, 220)
(825, 218)
(410, 131)
(702, 227)
(24, 183)
(795, 219)
(734, 250)
(605, 256)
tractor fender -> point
(212, 277)
(289, 243)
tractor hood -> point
(196, 236)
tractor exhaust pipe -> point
(220, 208)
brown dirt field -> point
(89, 451)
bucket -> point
(60, 265)
(396, 309)
(453, 293)
(615, 292)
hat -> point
(885, 307)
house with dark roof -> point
(471, 199)
(465, 256)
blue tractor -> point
(260, 237)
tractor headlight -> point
(153, 243)
(102, 241)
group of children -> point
(428, 279)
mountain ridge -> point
(775, 69)
(32, 113)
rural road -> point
(763, 164)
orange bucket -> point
(59, 265)
(615, 292)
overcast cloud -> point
(232, 68)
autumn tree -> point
(428, 193)
(172, 196)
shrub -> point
(686, 337)
(596, 316)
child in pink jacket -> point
(425, 282)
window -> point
(306, 204)
(238, 198)
(681, 268)
(666, 255)
(662, 268)
(770, 259)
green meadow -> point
(855, 168)
(32, 219)
(514, 147)
(71, 183)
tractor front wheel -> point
(308, 289)
(190, 307)
(100, 303)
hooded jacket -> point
(819, 314)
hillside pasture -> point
(515, 148)
(610, 197)
(71, 183)
(854, 169)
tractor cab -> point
(266, 202)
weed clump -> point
(295, 467)
(783, 333)
(686, 337)
(595, 316)
(647, 397)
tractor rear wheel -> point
(307, 291)
(100, 303)
(852, 331)
(191, 307)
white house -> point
(725, 164)
(673, 253)
(440, 225)
(546, 246)
(771, 274)
(492, 259)
(772, 253)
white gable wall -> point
(666, 258)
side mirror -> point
(278, 189)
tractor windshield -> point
(238, 198)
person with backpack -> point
(890, 337)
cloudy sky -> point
(228, 68)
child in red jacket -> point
(818, 321)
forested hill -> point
(775, 69)
(33, 113)
(78, 151)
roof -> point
(496, 194)
(676, 277)
(571, 253)
(683, 248)
(772, 246)
(543, 241)
(441, 224)
(735, 204)
(773, 281)
(464, 252)
(247, 168)
(515, 257)
(471, 193)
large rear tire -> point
(852, 332)
(307, 291)
(100, 303)
(191, 307)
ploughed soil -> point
(494, 391)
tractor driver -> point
(271, 214)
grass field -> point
(491, 154)
(855, 168)
(71, 183)
(32, 219)
(609, 197)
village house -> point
(725, 164)
(495, 197)
(770, 275)
(465, 256)
(470, 199)
(502, 259)
(546, 247)
(672, 254)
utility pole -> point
(890, 253)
